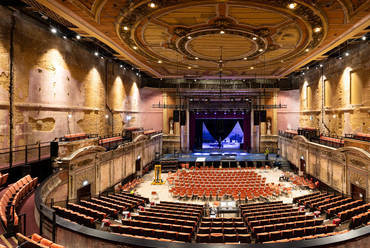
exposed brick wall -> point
(57, 78)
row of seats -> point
(280, 220)
(149, 232)
(262, 211)
(294, 233)
(222, 219)
(77, 217)
(253, 205)
(172, 216)
(298, 198)
(13, 196)
(293, 212)
(347, 214)
(237, 229)
(319, 198)
(87, 211)
(287, 225)
(223, 238)
(102, 208)
(327, 206)
(339, 208)
(312, 199)
(126, 204)
(322, 235)
(359, 220)
(3, 178)
(165, 220)
(129, 199)
(171, 211)
(158, 225)
(327, 200)
(35, 241)
(111, 142)
(177, 208)
(191, 205)
(133, 196)
(131, 184)
(74, 136)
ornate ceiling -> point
(176, 38)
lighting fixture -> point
(159, 61)
(260, 50)
(189, 37)
(64, 37)
(307, 68)
(152, 5)
(196, 58)
(254, 38)
(120, 66)
(222, 32)
(363, 37)
(106, 116)
(340, 57)
(321, 65)
(78, 37)
(69, 116)
(54, 30)
(101, 57)
(307, 49)
(252, 67)
(134, 47)
(346, 54)
(303, 73)
(189, 67)
(292, 5)
(317, 29)
(125, 28)
(96, 54)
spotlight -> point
(189, 67)
(321, 65)
(346, 54)
(125, 28)
(159, 61)
(340, 58)
(307, 68)
(120, 66)
(222, 32)
(317, 29)
(54, 30)
(69, 116)
(152, 5)
(106, 116)
(196, 58)
(101, 57)
(189, 37)
(134, 47)
(78, 37)
(254, 38)
(303, 73)
(363, 37)
(96, 54)
(307, 49)
(292, 5)
(252, 67)
(64, 37)
(260, 50)
(245, 58)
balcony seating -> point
(87, 211)
(296, 199)
(109, 211)
(294, 233)
(127, 202)
(35, 241)
(111, 143)
(3, 178)
(360, 219)
(74, 136)
(77, 217)
(291, 221)
(165, 220)
(12, 198)
(359, 136)
(137, 197)
(108, 203)
(322, 235)
(334, 208)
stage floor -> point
(214, 155)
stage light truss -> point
(217, 106)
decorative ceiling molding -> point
(93, 11)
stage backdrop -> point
(196, 126)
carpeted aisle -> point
(28, 208)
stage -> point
(215, 155)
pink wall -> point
(151, 118)
(288, 118)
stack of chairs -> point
(3, 178)
(35, 241)
(165, 221)
(238, 184)
(223, 230)
(322, 235)
(12, 198)
(74, 216)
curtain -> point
(220, 128)
(198, 134)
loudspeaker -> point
(182, 117)
(256, 117)
(263, 116)
(176, 116)
(54, 147)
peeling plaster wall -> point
(55, 78)
(288, 118)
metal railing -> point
(24, 154)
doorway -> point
(358, 193)
(138, 164)
(84, 193)
(302, 165)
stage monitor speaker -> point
(182, 117)
(176, 116)
(256, 117)
(54, 147)
(263, 116)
